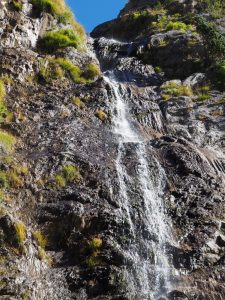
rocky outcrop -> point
(63, 233)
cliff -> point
(112, 181)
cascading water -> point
(149, 277)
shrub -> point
(173, 89)
(7, 141)
(62, 38)
(214, 38)
(20, 232)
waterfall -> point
(149, 277)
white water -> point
(150, 277)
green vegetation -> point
(93, 261)
(158, 69)
(62, 38)
(202, 97)
(173, 89)
(77, 102)
(3, 180)
(214, 42)
(91, 71)
(68, 175)
(12, 178)
(213, 38)
(60, 181)
(20, 232)
(71, 173)
(3, 109)
(220, 74)
(101, 115)
(59, 10)
(7, 141)
(40, 238)
(94, 246)
(95, 243)
(216, 8)
(55, 68)
(17, 5)
(202, 93)
(172, 23)
(42, 255)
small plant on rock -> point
(20, 233)
(17, 5)
(77, 102)
(40, 238)
(68, 175)
(101, 115)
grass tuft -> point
(7, 141)
(40, 238)
(173, 89)
(20, 232)
(56, 68)
(62, 38)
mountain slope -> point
(108, 178)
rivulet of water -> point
(149, 276)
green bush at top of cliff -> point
(55, 68)
(62, 38)
(59, 10)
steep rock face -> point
(78, 242)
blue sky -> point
(91, 13)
